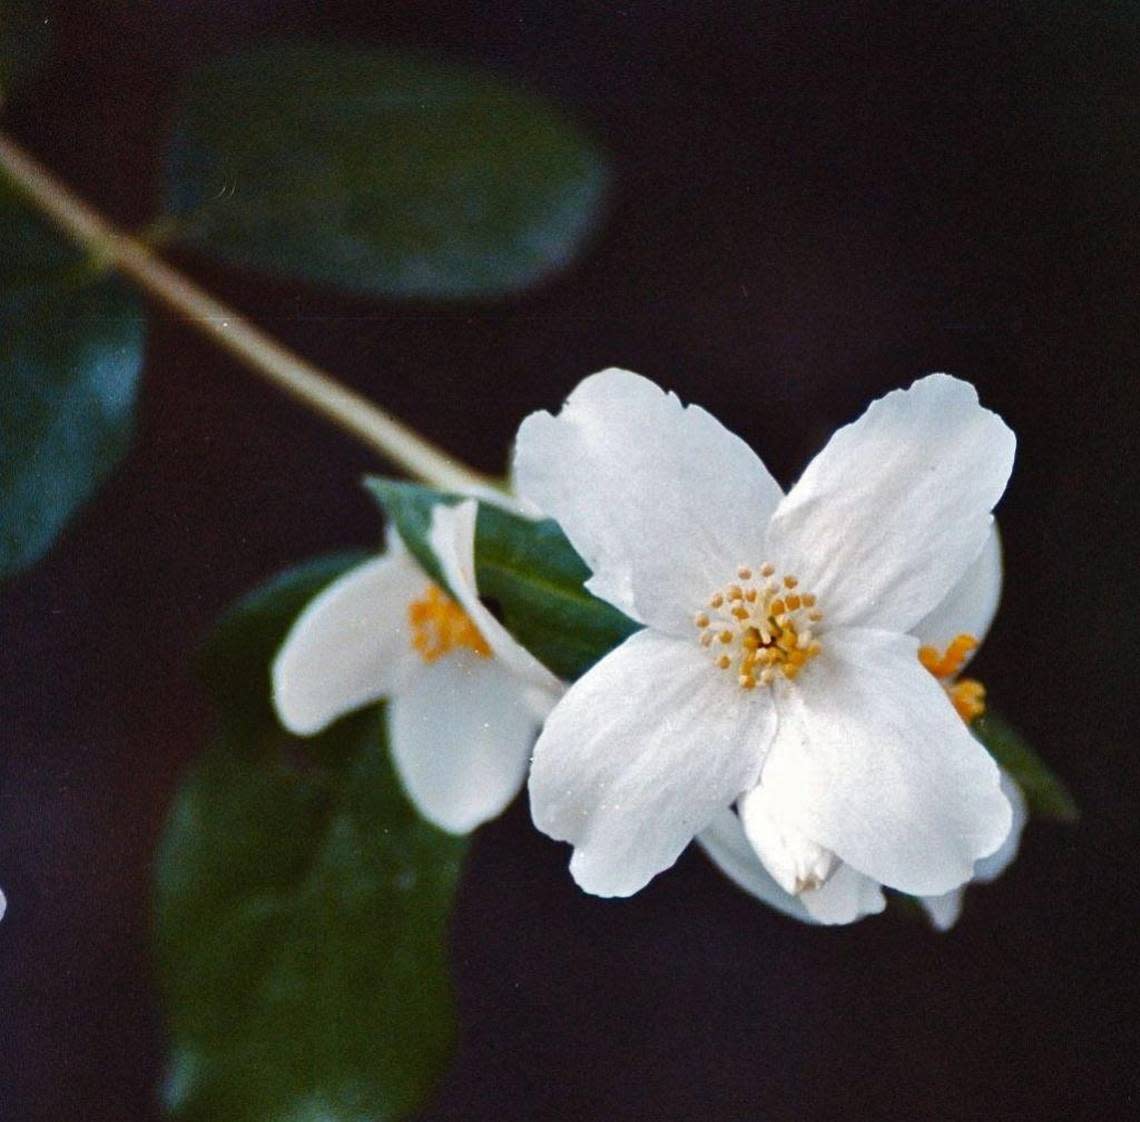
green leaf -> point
(378, 172)
(70, 358)
(526, 570)
(1045, 794)
(302, 907)
(409, 506)
(23, 40)
(532, 573)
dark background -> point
(812, 203)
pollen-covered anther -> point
(439, 626)
(967, 695)
(761, 626)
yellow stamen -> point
(967, 695)
(759, 626)
(948, 664)
(439, 625)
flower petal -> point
(888, 517)
(350, 646)
(794, 860)
(640, 755)
(724, 841)
(847, 896)
(943, 911)
(452, 538)
(971, 604)
(661, 501)
(991, 867)
(871, 761)
(461, 734)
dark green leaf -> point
(302, 907)
(302, 920)
(378, 172)
(409, 506)
(528, 571)
(23, 40)
(532, 573)
(1045, 794)
(69, 366)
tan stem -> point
(232, 331)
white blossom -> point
(739, 845)
(778, 669)
(465, 700)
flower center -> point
(967, 695)
(439, 625)
(760, 626)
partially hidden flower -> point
(778, 670)
(465, 700)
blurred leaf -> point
(532, 573)
(1045, 794)
(526, 570)
(72, 348)
(302, 907)
(23, 40)
(409, 506)
(378, 172)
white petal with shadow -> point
(871, 761)
(724, 842)
(971, 604)
(848, 896)
(661, 500)
(640, 755)
(461, 735)
(351, 646)
(889, 516)
(794, 860)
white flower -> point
(776, 665)
(953, 628)
(465, 699)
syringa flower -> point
(949, 635)
(465, 700)
(777, 667)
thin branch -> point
(232, 331)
